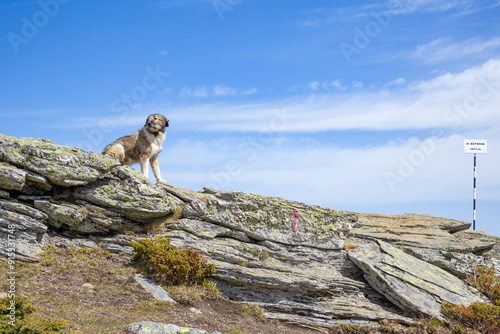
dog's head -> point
(156, 123)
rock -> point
(129, 192)
(410, 221)
(336, 267)
(64, 166)
(26, 226)
(494, 252)
(458, 264)
(118, 244)
(415, 230)
(195, 310)
(293, 283)
(11, 178)
(84, 217)
(88, 286)
(68, 242)
(271, 218)
(150, 327)
(154, 289)
(411, 284)
(184, 194)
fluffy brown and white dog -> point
(142, 146)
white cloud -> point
(318, 86)
(194, 92)
(444, 49)
(468, 99)
(214, 91)
(458, 101)
(312, 171)
(221, 90)
(357, 85)
(410, 6)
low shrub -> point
(21, 321)
(485, 280)
(483, 317)
(170, 265)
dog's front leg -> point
(156, 169)
(144, 166)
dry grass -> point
(111, 299)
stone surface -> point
(411, 284)
(417, 230)
(24, 225)
(128, 191)
(154, 289)
(64, 166)
(410, 221)
(293, 283)
(458, 264)
(11, 178)
(271, 218)
(150, 327)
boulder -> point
(413, 285)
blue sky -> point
(361, 106)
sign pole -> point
(475, 146)
(474, 200)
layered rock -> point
(298, 262)
(415, 286)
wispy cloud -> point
(463, 100)
(445, 49)
(453, 100)
(214, 91)
(333, 15)
(411, 6)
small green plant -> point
(170, 265)
(15, 318)
(211, 289)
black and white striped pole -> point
(475, 146)
(474, 200)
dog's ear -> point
(165, 120)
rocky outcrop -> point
(415, 286)
(300, 263)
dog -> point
(142, 146)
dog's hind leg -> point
(116, 151)
(156, 169)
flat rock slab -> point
(411, 284)
(423, 238)
(154, 289)
(273, 219)
(150, 327)
(411, 220)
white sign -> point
(475, 146)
